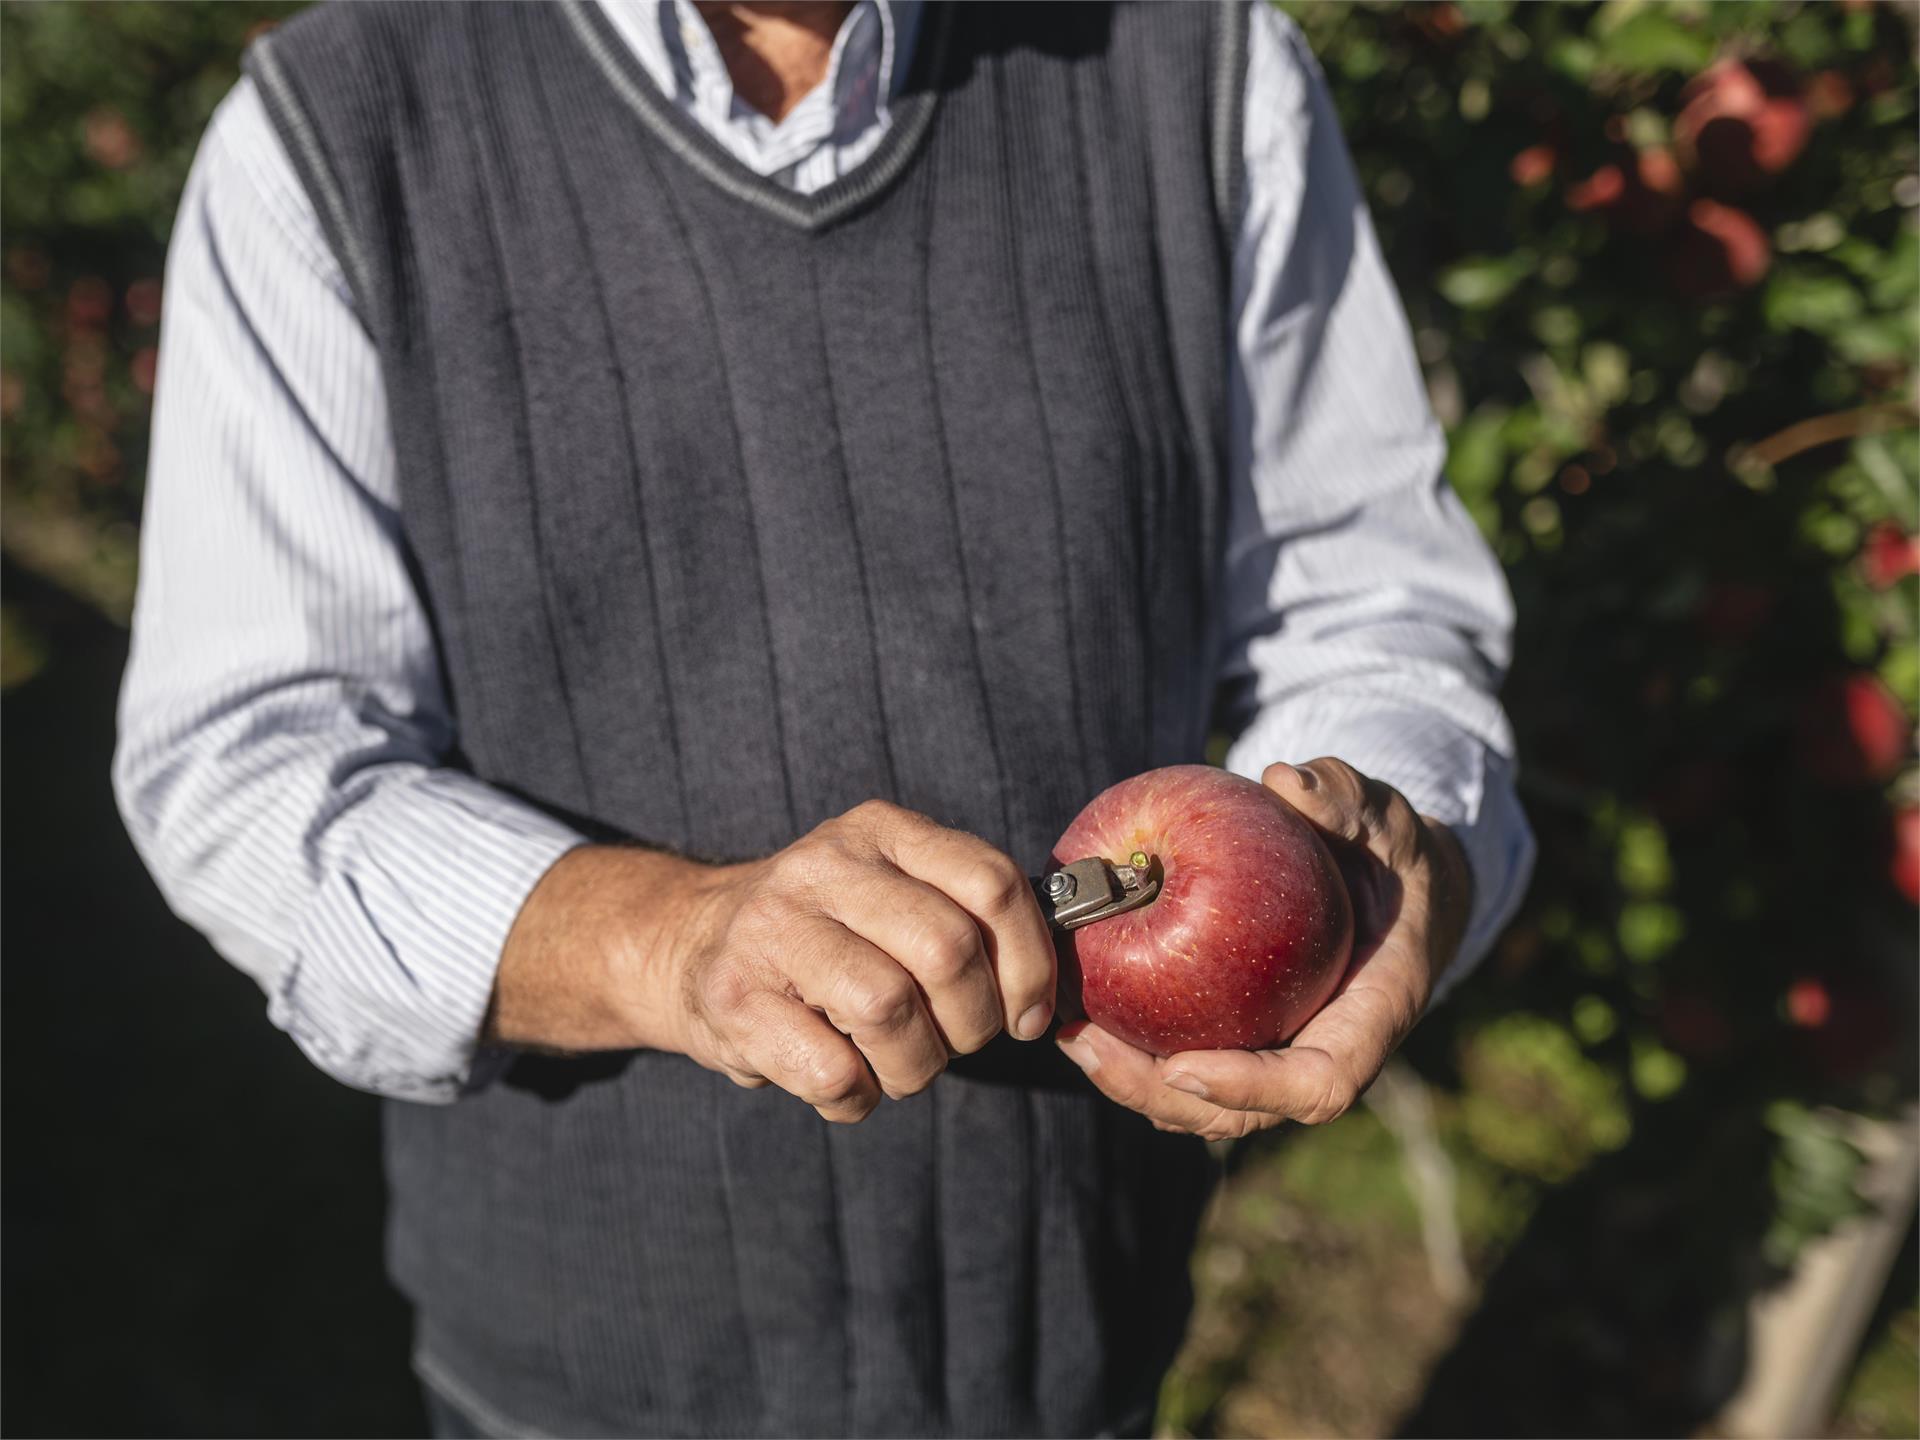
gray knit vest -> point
(733, 508)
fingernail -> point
(1180, 1080)
(1308, 780)
(1032, 1024)
(1081, 1054)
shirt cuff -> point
(395, 958)
(1447, 775)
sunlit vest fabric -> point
(733, 508)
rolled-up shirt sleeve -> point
(283, 720)
(1365, 618)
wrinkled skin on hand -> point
(1411, 893)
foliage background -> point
(1662, 264)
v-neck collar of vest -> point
(912, 117)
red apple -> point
(1743, 123)
(1599, 191)
(1642, 195)
(1889, 555)
(1718, 249)
(1532, 165)
(1905, 865)
(1250, 933)
(1809, 1005)
(1852, 730)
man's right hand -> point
(852, 964)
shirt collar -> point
(871, 56)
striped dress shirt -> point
(287, 762)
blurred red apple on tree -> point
(1889, 555)
(1808, 1003)
(1852, 730)
(1718, 249)
(1641, 194)
(1599, 191)
(1905, 866)
(1743, 123)
(1654, 191)
(1846, 1023)
(1532, 165)
(1250, 933)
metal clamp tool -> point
(1091, 889)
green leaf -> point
(1888, 465)
(1643, 864)
(1653, 40)
(1649, 930)
(1815, 1168)
(1477, 458)
(1810, 300)
(1900, 668)
(1361, 60)
(1877, 340)
(1574, 57)
(1593, 1019)
(1657, 1071)
(1557, 325)
(1896, 280)
(1807, 39)
(1486, 12)
(1484, 281)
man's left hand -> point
(1411, 895)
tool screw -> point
(1060, 886)
(1139, 861)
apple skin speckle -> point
(1250, 933)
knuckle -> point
(1333, 1099)
(1404, 1014)
(973, 1036)
(913, 1082)
(867, 815)
(1341, 779)
(882, 1003)
(797, 870)
(1282, 776)
(1395, 807)
(881, 816)
(947, 950)
(996, 885)
(1390, 1013)
(720, 989)
(1401, 825)
(767, 912)
(838, 1077)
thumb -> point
(1337, 801)
(1301, 1083)
(1330, 793)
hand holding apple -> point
(1251, 929)
(1410, 889)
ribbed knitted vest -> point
(732, 508)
